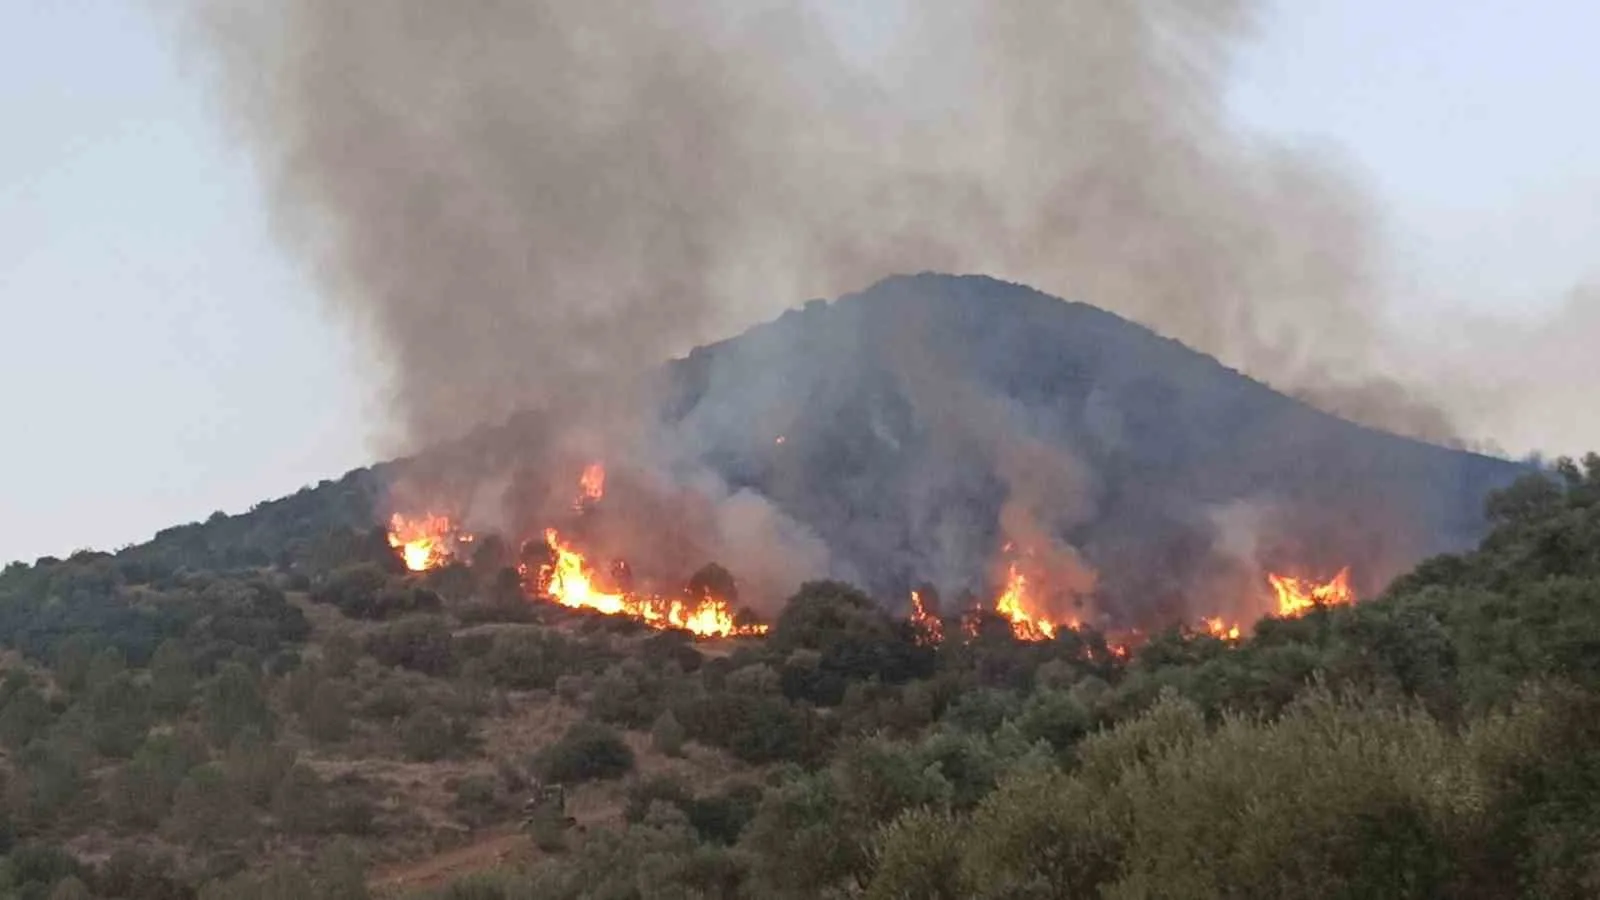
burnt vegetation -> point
(185, 722)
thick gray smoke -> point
(521, 199)
(530, 204)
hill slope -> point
(916, 429)
(915, 412)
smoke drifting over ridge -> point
(517, 200)
(528, 205)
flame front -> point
(1299, 595)
(1017, 606)
(929, 629)
(571, 582)
(424, 541)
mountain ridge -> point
(898, 425)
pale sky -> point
(164, 358)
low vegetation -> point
(270, 707)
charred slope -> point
(913, 413)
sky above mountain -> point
(166, 357)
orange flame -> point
(1299, 595)
(1220, 629)
(1017, 606)
(591, 486)
(571, 582)
(929, 629)
(425, 542)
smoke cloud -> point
(528, 205)
(521, 200)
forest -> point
(271, 706)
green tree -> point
(300, 803)
(232, 703)
(428, 734)
(588, 751)
(172, 677)
(26, 716)
(210, 812)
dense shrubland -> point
(200, 718)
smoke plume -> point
(528, 205)
(521, 200)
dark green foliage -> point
(210, 811)
(721, 818)
(755, 727)
(535, 659)
(657, 789)
(255, 766)
(479, 801)
(172, 677)
(717, 818)
(51, 776)
(1054, 717)
(670, 648)
(588, 751)
(855, 639)
(232, 703)
(139, 795)
(373, 591)
(24, 717)
(1446, 745)
(422, 644)
(304, 803)
(35, 871)
(430, 734)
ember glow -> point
(425, 542)
(929, 629)
(1299, 595)
(572, 582)
(1217, 628)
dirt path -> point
(485, 853)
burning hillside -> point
(705, 607)
(567, 576)
(981, 439)
(426, 541)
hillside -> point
(907, 408)
(271, 705)
(903, 436)
(361, 731)
(911, 428)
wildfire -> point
(930, 630)
(1220, 629)
(591, 486)
(571, 582)
(425, 542)
(1017, 606)
(1298, 595)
